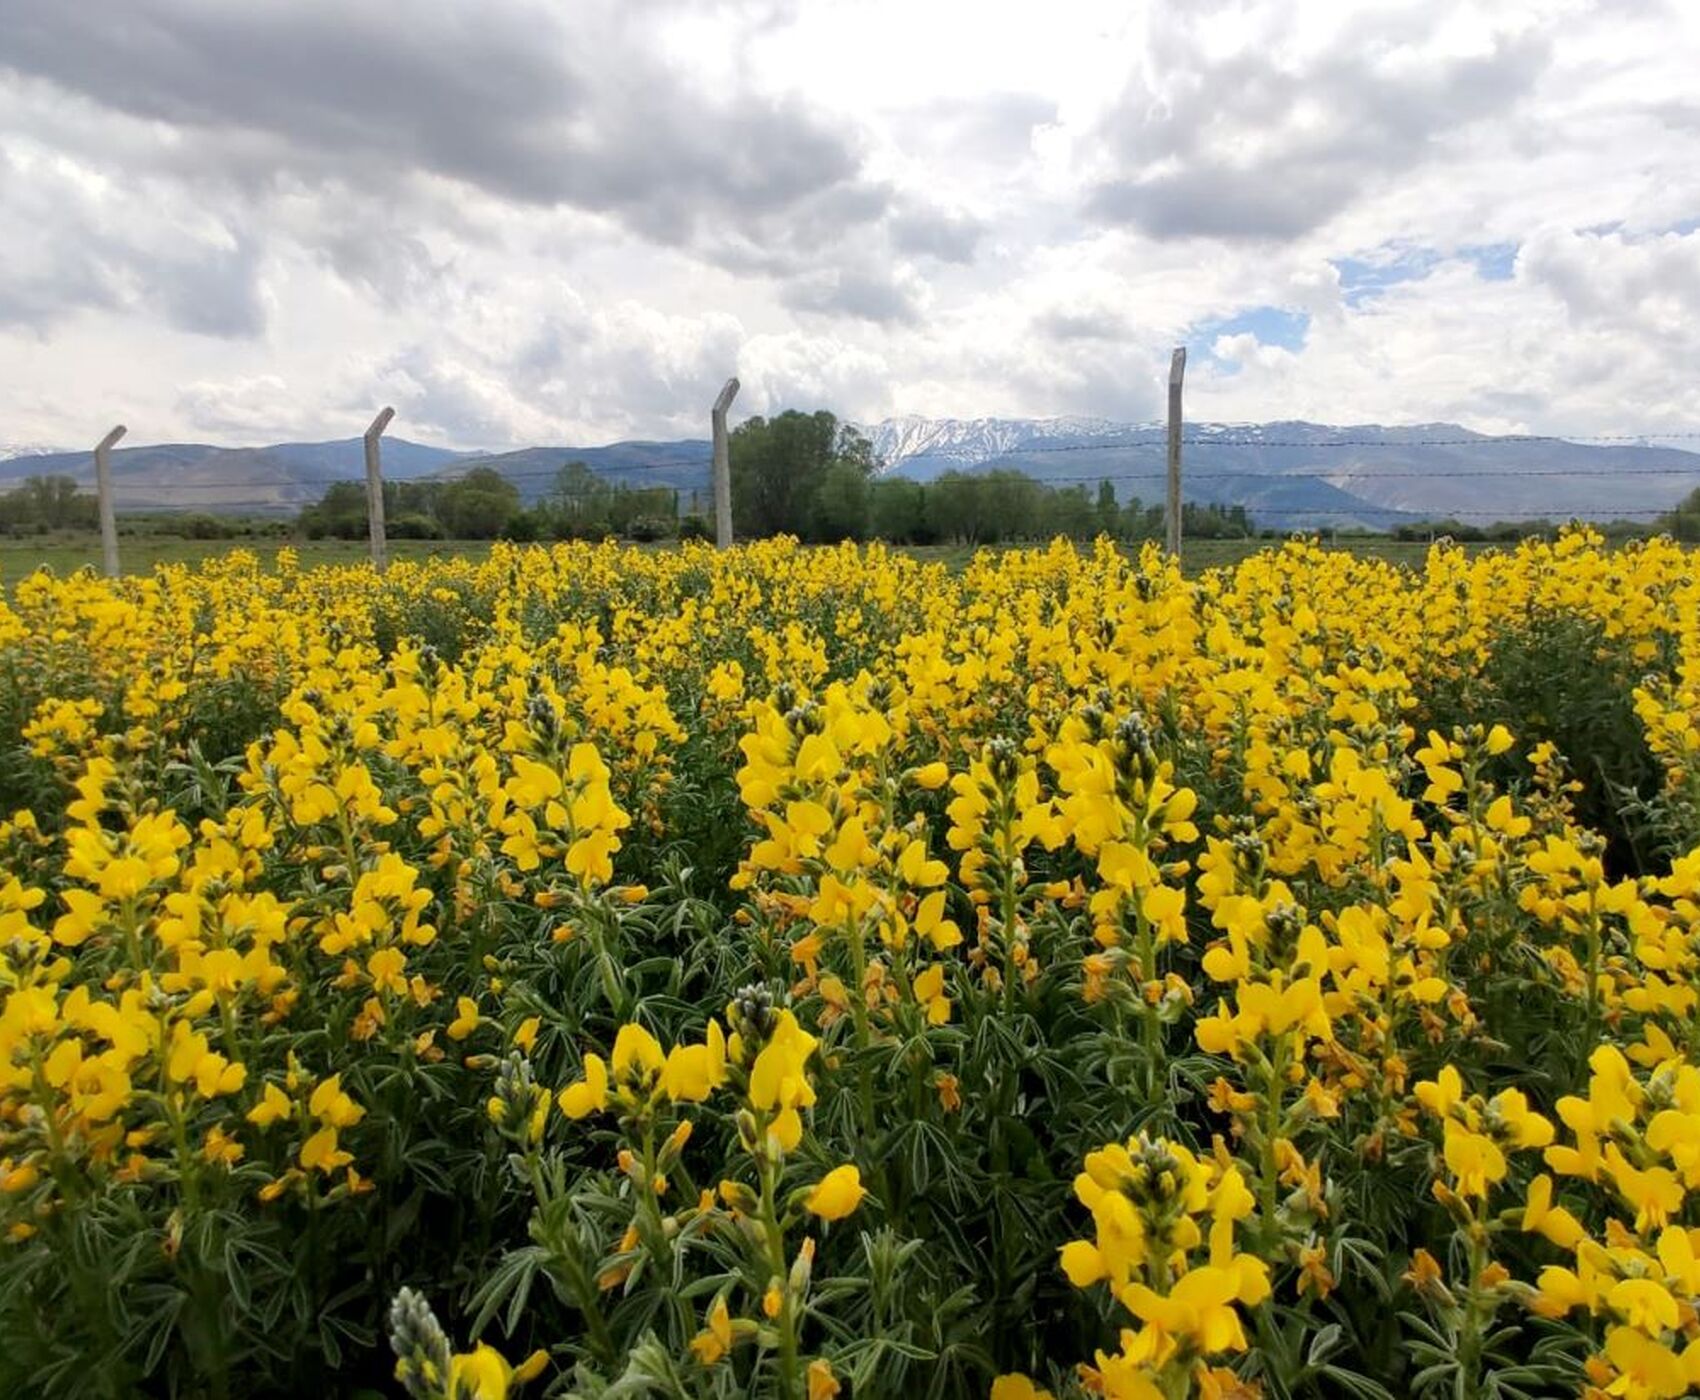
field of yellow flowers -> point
(810, 973)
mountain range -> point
(1286, 474)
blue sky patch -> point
(1272, 325)
(1363, 278)
(1494, 261)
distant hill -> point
(188, 476)
(1292, 475)
(684, 466)
(1306, 475)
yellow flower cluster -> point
(1164, 1240)
(781, 927)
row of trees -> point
(41, 503)
(1002, 506)
(485, 505)
(476, 506)
(809, 475)
(804, 474)
(1683, 520)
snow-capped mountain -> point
(10, 450)
(1311, 474)
(960, 443)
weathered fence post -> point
(723, 467)
(103, 487)
(1177, 368)
(375, 487)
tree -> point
(897, 511)
(580, 497)
(779, 466)
(479, 505)
(340, 513)
(1109, 513)
(1072, 513)
(1682, 521)
(839, 509)
(49, 503)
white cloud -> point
(570, 224)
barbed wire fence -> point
(1172, 440)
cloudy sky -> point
(568, 221)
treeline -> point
(42, 503)
(803, 474)
(485, 505)
(807, 474)
(999, 507)
(1683, 521)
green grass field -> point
(139, 554)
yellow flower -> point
(274, 1104)
(333, 1107)
(932, 776)
(929, 991)
(1082, 1263)
(1647, 1369)
(822, 1384)
(320, 1152)
(590, 1094)
(1017, 1387)
(931, 924)
(466, 1019)
(1645, 1304)
(637, 1054)
(1198, 1309)
(837, 1194)
(480, 1374)
(1440, 1094)
(1540, 1216)
(715, 1339)
(692, 1072)
(1474, 1160)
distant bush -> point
(647, 528)
(202, 527)
(522, 527)
(413, 526)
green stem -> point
(787, 1318)
(563, 1247)
(1591, 1037)
(1150, 1030)
(859, 1017)
(1007, 912)
(1270, 1183)
(1470, 1344)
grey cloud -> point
(936, 233)
(216, 293)
(257, 407)
(1244, 147)
(1649, 285)
(869, 294)
(529, 102)
(626, 368)
(63, 249)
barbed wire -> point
(618, 473)
(355, 478)
(979, 468)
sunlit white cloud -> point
(526, 222)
